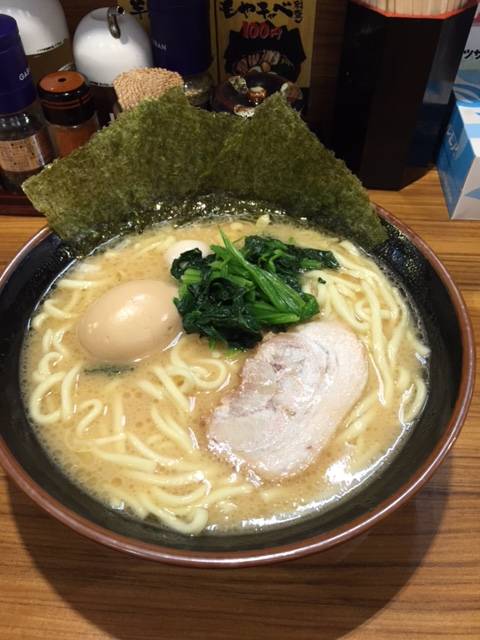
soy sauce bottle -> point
(25, 146)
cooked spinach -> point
(287, 260)
(234, 295)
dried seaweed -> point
(160, 150)
(166, 151)
(274, 156)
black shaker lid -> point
(66, 98)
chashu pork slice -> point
(294, 392)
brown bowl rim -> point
(320, 542)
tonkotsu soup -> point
(195, 436)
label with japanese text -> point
(21, 156)
(266, 36)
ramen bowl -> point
(449, 333)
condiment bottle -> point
(25, 146)
(68, 107)
(44, 34)
(181, 42)
(108, 42)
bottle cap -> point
(66, 98)
(181, 35)
(17, 89)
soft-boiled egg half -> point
(130, 321)
(176, 250)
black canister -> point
(181, 42)
(181, 35)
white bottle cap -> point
(100, 56)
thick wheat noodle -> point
(163, 461)
(222, 374)
(175, 500)
(126, 460)
(349, 247)
(67, 283)
(358, 426)
(66, 391)
(379, 347)
(39, 319)
(53, 311)
(344, 312)
(196, 524)
(153, 390)
(419, 347)
(188, 380)
(118, 419)
(170, 429)
(159, 244)
(403, 380)
(171, 388)
(224, 493)
(418, 400)
(43, 369)
(131, 501)
(364, 313)
(197, 375)
(47, 341)
(363, 406)
(398, 333)
(378, 314)
(372, 273)
(84, 445)
(57, 340)
(340, 280)
(37, 396)
(95, 407)
(174, 480)
(216, 496)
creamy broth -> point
(135, 439)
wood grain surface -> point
(415, 576)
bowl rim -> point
(314, 544)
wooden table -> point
(416, 576)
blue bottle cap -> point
(181, 35)
(17, 89)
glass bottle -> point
(25, 146)
(68, 107)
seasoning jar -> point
(181, 42)
(68, 107)
(25, 146)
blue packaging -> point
(17, 89)
(181, 35)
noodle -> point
(139, 437)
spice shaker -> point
(107, 42)
(44, 34)
(181, 42)
(68, 107)
(25, 146)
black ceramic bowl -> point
(452, 370)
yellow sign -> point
(267, 36)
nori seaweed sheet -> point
(165, 150)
